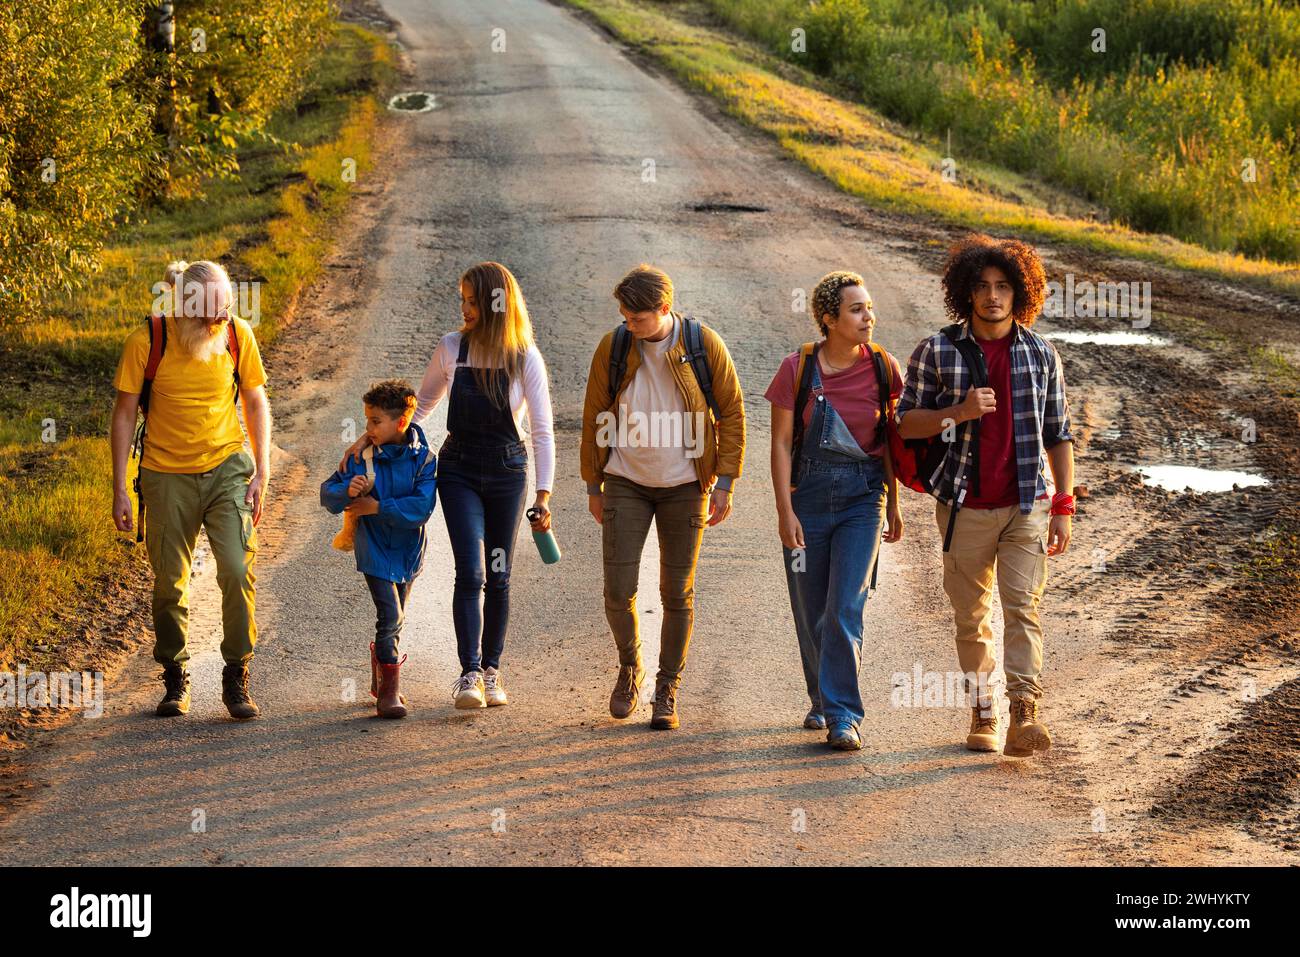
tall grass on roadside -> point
(1186, 123)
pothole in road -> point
(1106, 338)
(1183, 478)
(727, 208)
(415, 102)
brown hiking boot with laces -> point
(983, 734)
(1027, 734)
(176, 698)
(664, 716)
(234, 693)
(627, 691)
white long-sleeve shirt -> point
(531, 396)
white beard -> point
(197, 341)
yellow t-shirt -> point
(192, 422)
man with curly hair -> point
(992, 390)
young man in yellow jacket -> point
(663, 438)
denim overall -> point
(839, 500)
(482, 479)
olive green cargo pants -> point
(176, 506)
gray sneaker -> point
(468, 692)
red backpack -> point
(157, 345)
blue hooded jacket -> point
(390, 543)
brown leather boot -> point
(664, 716)
(176, 699)
(983, 734)
(389, 702)
(1026, 734)
(627, 691)
(234, 693)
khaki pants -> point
(680, 514)
(1014, 546)
(176, 506)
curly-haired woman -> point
(998, 387)
(835, 492)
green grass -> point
(867, 155)
(56, 532)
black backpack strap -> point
(802, 391)
(973, 356)
(618, 360)
(693, 339)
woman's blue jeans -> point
(482, 493)
(841, 506)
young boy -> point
(392, 510)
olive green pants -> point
(680, 515)
(176, 507)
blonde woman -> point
(493, 374)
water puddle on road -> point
(412, 103)
(1182, 478)
(1106, 338)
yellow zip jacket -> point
(724, 440)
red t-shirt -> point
(853, 392)
(998, 485)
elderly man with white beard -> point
(184, 370)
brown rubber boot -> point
(665, 706)
(374, 672)
(176, 699)
(1026, 734)
(983, 728)
(627, 691)
(389, 702)
(234, 693)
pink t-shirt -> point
(853, 392)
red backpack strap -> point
(157, 344)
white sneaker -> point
(493, 688)
(467, 691)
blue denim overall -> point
(482, 478)
(839, 500)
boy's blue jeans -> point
(390, 609)
(483, 502)
(841, 506)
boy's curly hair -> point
(394, 396)
(1018, 260)
(826, 296)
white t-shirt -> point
(532, 396)
(656, 456)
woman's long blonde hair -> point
(503, 334)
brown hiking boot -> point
(627, 691)
(983, 728)
(665, 706)
(1026, 734)
(234, 693)
(176, 699)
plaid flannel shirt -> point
(937, 378)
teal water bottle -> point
(547, 546)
